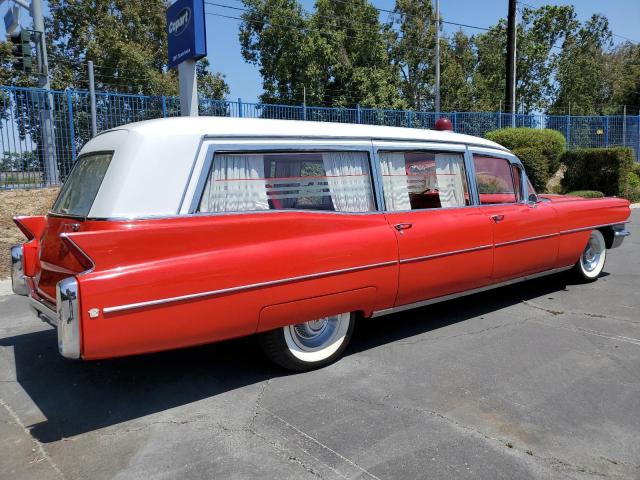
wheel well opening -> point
(607, 233)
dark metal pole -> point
(510, 90)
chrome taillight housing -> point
(17, 271)
(68, 310)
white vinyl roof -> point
(228, 126)
(152, 164)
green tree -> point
(411, 36)
(582, 76)
(538, 32)
(338, 54)
(458, 62)
(274, 36)
(624, 77)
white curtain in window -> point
(349, 183)
(449, 176)
(394, 181)
(236, 184)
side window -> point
(422, 180)
(494, 179)
(332, 181)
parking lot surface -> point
(535, 380)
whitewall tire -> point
(593, 257)
(309, 345)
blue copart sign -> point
(186, 31)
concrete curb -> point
(635, 205)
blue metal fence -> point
(42, 131)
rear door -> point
(525, 234)
(445, 244)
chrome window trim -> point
(444, 298)
(191, 173)
(362, 146)
(252, 286)
(365, 138)
(445, 254)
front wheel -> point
(309, 345)
(591, 262)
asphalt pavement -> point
(535, 380)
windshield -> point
(80, 189)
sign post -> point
(187, 40)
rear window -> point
(80, 189)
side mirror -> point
(533, 200)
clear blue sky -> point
(245, 82)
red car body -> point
(151, 284)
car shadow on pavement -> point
(78, 397)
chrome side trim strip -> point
(445, 254)
(593, 227)
(223, 291)
(528, 239)
(431, 301)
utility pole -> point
(304, 102)
(47, 130)
(92, 99)
(437, 54)
(510, 90)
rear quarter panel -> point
(150, 260)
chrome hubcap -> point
(592, 254)
(314, 335)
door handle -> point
(402, 226)
(497, 218)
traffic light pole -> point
(50, 161)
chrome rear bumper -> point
(65, 316)
(45, 309)
(17, 272)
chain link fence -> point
(42, 131)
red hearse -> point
(178, 232)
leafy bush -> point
(608, 170)
(632, 191)
(587, 194)
(537, 166)
(539, 150)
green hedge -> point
(611, 171)
(587, 194)
(538, 149)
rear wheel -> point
(309, 345)
(593, 257)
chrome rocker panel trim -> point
(444, 298)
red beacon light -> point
(443, 124)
